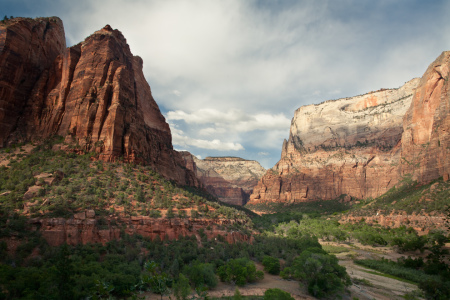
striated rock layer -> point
(94, 94)
(362, 146)
(231, 179)
(88, 229)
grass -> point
(392, 270)
(335, 249)
(389, 276)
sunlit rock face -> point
(426, 125)
(231, 179)
(362, 146)
(94, 94)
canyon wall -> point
(230, 179)
(94, 94)
(85, 228)
(362, 146)
(426, 137)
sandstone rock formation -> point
(27, 49)
(426, 125)
(362, 146)
(231, 179)
(94, 94)
(86, 228)
(346, 146)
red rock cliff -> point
(27, 49)
(89, 229)
(93, 93)
(362, 146)
(426, 125)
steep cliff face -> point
(346, 146)
(231, 179)
(362, 146)
(426, 125)
(86, 228)
(27, 49)
(95, 95)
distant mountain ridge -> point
(231, 179)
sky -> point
(228, 75)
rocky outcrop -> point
(347, 146)
(426, 125)
(230, 179)
(86, 228)
(94, 94)
(422, 222)
(363, 146)
(28, 48)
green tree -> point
(182, 289)
(201, 274)
(321, 272)
(155, 278)
(277, 294)
(239, 271)
(271, 265)
(64, 270)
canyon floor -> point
(367, 284)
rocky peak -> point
(426, 125)
(94, 94)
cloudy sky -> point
(228, 75)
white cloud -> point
(180, 139)
(245, 66)
(236, 120)
(263, 153)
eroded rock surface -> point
(28, 48)
(94, 94)
(362, 146)
(426, 125)
(231, 179)
(85, 228)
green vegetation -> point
(271, 265)
(321, 271)
(118, 189)
(124, 268)
(286, 212)
(239, 271)
(285, 242)
(278, 294)
(411, 197)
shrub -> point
(240, 271)
(277, 294)
(271, 265)
(321, 272)
(201, 274)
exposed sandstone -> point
(426, 125)
(230, 179)
(346, 146)
(83, 229)
(27, 49)
(94, 94)
(423, 223)
(363, 146)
